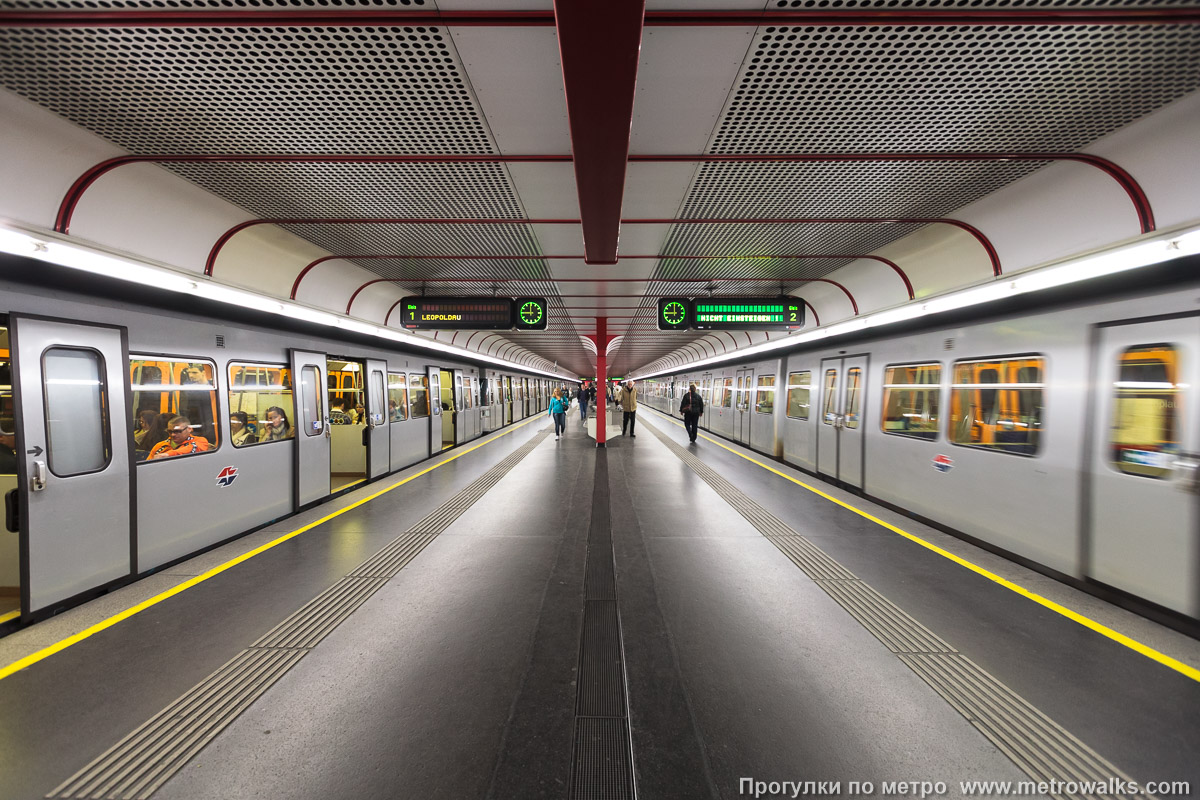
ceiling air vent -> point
(948, 344)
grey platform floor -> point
(457, 678)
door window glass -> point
(418, 395)
(727, 393)
(766, 394)
(311, 409)
(830, 390)
(853, 379)
(260, 403)
(997, 404)
(910, 400)
(174, 407)
(798, 390)
(397, 397)
(76, 398)
(375, 412)
(1144, 438)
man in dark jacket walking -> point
(691, 407)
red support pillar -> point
(601, 381)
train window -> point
(766, 395)
(910, 400)
(1145, 427)
(468, 392)
(997, 404)
(77, 437)
(397, 397)
(853, 380)
(798, 390)
(165, 389)
(418, 395)
(312, 411)
(260, 403)
(830, 390)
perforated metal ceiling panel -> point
(892, 89)
(406, 90)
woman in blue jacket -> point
(558, 410)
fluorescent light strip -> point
(54, 249)
(1139, 254)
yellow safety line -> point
(1103, 630)
(174, 590)
(10, 615)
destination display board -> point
(473, 313)
(457, 313)
(747, 313)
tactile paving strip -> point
(139, 764)
(1034, 742)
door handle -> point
(38, 481)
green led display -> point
(751, 313)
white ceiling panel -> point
(684, 78)
(640, 240)
(547, 191)
(566, 240)
(655, 191)
(517, 79)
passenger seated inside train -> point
(394, 412)
(278, 426)
(180, 442)
(360, 414)
(337, 412)
(240, 429)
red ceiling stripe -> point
(1141, 202)
(268, 18)
(599, 42)
(993, 256)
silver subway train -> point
(136, 431)
(1066, 435)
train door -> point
(73, 453)
(744, 405)
(313, 438)
(461, 424)
(348, 440)
(706, 394)
(1144, 505)
(449, 414)
(379, 446)
(508, 400)
(435, 409)
(840, 434)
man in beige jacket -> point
(629, 406)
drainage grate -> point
(603, 766)
(144, 760)
(1034, 742)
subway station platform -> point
(530, 618)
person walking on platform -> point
(581, 394)
(558, 410)
(691, 407)
(629, 406)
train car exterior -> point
(1067, 436)
(274, 421)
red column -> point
(601, 380)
